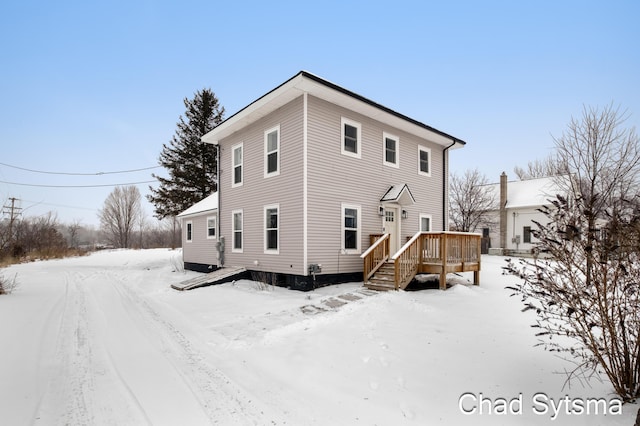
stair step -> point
(379, 286)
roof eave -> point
(305, 82)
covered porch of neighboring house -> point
(425, 253)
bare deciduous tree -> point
(469, 201)
(589, 290)
(120, 214)
(74, 228)
(550, 166)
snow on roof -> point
(399, 193)
(528, 193)
(208, 204)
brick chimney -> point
(503, 210)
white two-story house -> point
(309, 173)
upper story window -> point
(390, 149)
(272, 152)
(211, 227)
(351, 137)
(424, 161)
(271, 228)
(351, 228)
(189, 231)
(425, 223)
(236, 166)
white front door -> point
(391, 226)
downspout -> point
(445, 187)
(219, 218)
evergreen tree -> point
(192, 164)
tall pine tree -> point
(192, 164)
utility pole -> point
(13, 211)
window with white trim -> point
(390, 150)
(237, 231)
(351, 228)
(425, 222)
(350, 137)
(272, 152)
(424, 161)
(272, 228)
(211, 227)
(189, 231)
(236, 165)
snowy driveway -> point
(98, 353)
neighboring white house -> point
(200, 235)
(518, 204)
(310, 173)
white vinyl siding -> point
(424, 161)
(236, 165)
(272, 229)
(211, 227)
(351, 223)
(189, 231)
(351, 136)
(272, 152)
(425, 222)
(390, 150)
(237, 221)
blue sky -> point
(90, 87)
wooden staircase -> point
(425, 253)
(383, 279)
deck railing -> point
(376, 255)
(430, 252)
(407, 261)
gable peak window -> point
(351, 136)
(272, 152)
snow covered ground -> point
(104, 340)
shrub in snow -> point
(7, 285)
(586, 294)
(264, 280)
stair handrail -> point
(375, 256)
(407, 260)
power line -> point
(42, 203)
(77, 186)
(80, 174)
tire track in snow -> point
(223, 401)
(74, 395)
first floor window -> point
(189, 231)
(272, 226)
(237, 231)
(211, 227)
(526, 234)
(425, 223)
(351, 228)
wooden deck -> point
(425, 253)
